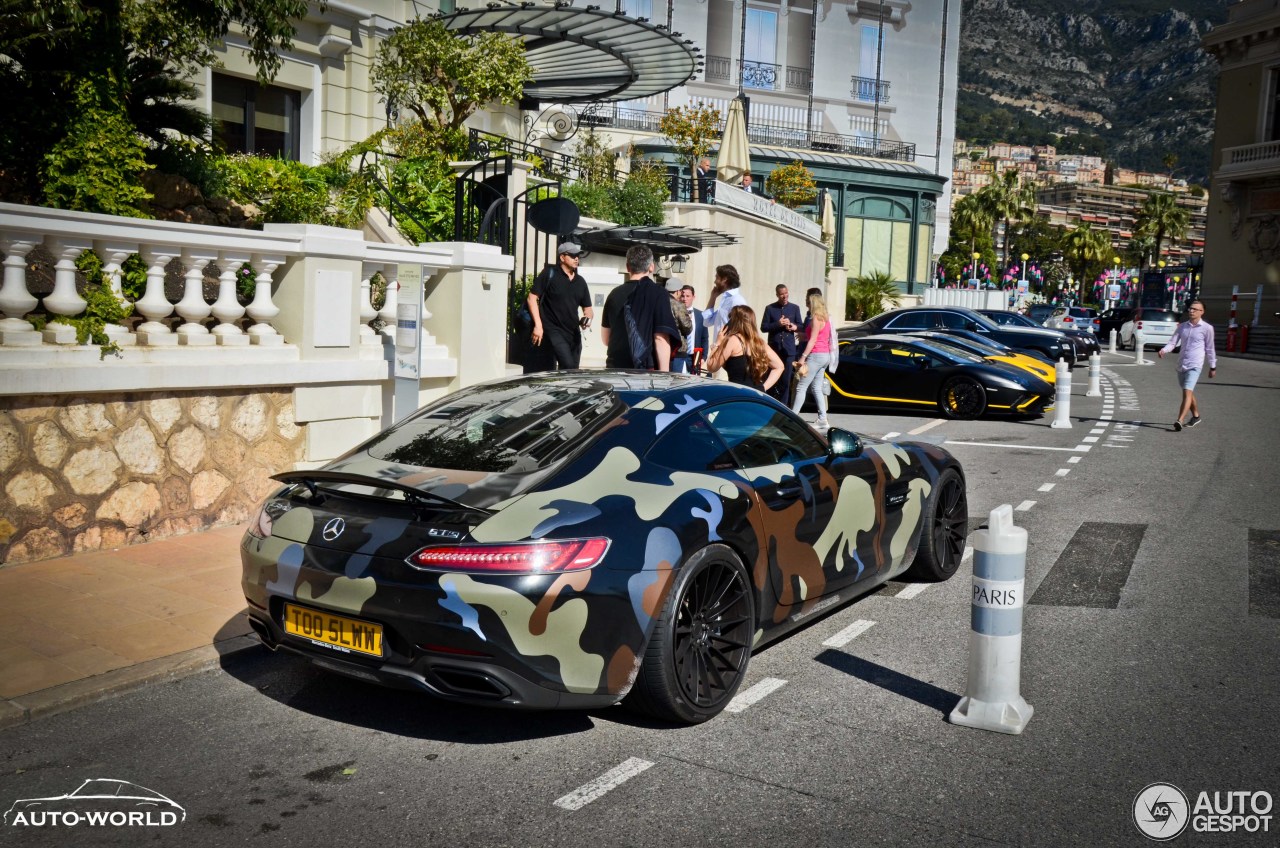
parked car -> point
(991, 350)
(1073, 318)
(1040, 312)
(910, 372)
(1157, 325)
(1048, 344)
(1085, 343)
(1113, 319)
(574, 539)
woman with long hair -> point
(742, 353)
(817, 354)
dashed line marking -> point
(1024, 506)
(1089, 439)
(917, 431)
(891, 435)
(1097, 431)
(1082, 448)
(747, 697)
(847, 635)
(1074, 458)
(912, 591)
(1063, 472)
(1046, 487)
(602, 785)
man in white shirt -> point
(727, 290)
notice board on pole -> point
(408, 322)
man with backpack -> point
(638, 329)
(554, 300)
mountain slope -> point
(1130, 73)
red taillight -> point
(519, 558)
(1066, 319)
(1138, 325)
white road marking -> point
(1063, 472)
(1097, 431)
(747, 697)
(602, 785)
(912, 591)
(1074, 458)
(853, 631)
(1083, 448)
(1046, 487)
(1024, 506)
(1088, 439)
(1020, 447)
(934, 423)
(891, 435)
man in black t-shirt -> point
(650, 309)
(553, 301)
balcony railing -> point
(1251, 160)
(798, 78)
(774, 135)
(719, 69)
(869, 90)
(759, 75)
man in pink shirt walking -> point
(1196, 337)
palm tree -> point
(1161, 216)
(970, 219)
(1084, 246)
(1009, 201)
(868, 294)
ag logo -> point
(1161, 812)
(333, 529)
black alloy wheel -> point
(701, 643)
(944, 530)
(962, 397)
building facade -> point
(1243, 228)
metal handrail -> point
(372, 173)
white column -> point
(15, 300)
(367, 312)
(227, 308)
(113, 257)
(153, 305)
(262, 309)
(64, 300)
(193, 307)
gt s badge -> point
(437, 533)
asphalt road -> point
(1150, 655)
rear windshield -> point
(501, 428)
(1159, 315)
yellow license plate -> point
(334, 631)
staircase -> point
(1264, 343)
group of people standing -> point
(649, 326)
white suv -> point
(1074, 318)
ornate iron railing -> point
(870, 90)
(759, 75)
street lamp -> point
(973, 275)
(1115, 281)
(1025, 257)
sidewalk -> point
(78, 628)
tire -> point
(943, 530)
(962, 397)
(701, 643)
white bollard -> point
(992, 699)
(1140, 346)
(1062, 397)
(1095, 376)
(1115, 334)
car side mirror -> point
(843, 443)
(922, 363)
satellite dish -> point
(555, 215)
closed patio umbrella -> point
(828, 218)
(734, 158)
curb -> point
(25, 709)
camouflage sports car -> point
(574, 539)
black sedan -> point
(1084, 342)
(1050, 345)
(910, 372)
(581, 538)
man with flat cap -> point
(557, 294)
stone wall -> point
(88, 472)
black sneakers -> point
(1177, 426)
(1195, 419)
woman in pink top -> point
(817, 354)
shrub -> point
(97, 165)
(792, 185)
(867, 295)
